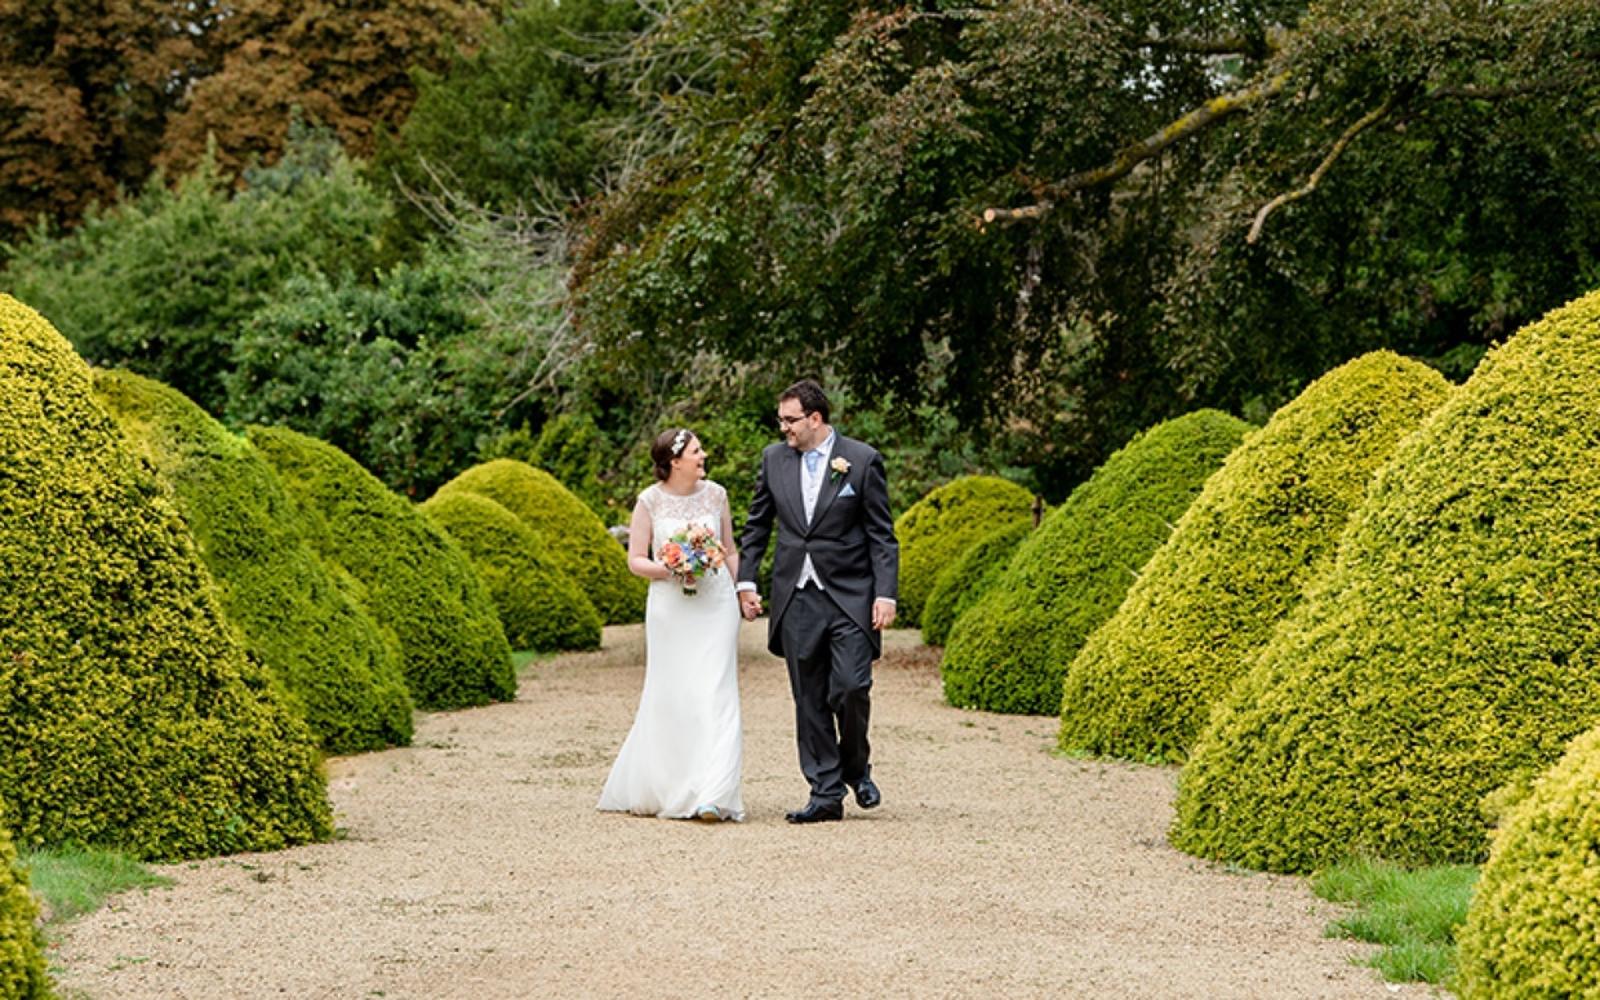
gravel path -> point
(474, 865)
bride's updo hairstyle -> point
(669, 444)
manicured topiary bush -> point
(340, 668)
(966, 580)
(540, 607)
(574, 537)
(1010, 651)
(22, 972)
(1533, 929)
(418, 582)
(1450, 650)
(1268, 521)
(936, 530)
(130, 716)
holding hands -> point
(750, 604)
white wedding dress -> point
(685, 750)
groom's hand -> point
(750, 604)
(882, 614)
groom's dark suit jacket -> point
(850, 537)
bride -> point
(683, 756)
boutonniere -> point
(839, 467)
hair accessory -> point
(679, 441)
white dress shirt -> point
(810, 489)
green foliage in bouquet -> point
(22, 970)
(1450, 650)
(1533, 928)
(1010, 651)
(540, 607)
(419, 583)
(961, 584)
(577, 542)
(130, 716)
(937, 529)
(1264, 525)
(341, 670)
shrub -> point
(22, 973)
(398, 371)
(579, 544)
(540, 607)
(1533, 929)
(419, 583)
(162, 282)
(1450, 650)
(1010, 651)
(130, 717)
(937, 529)
(961, 584)
(1264, 524)
(340, 668)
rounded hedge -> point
(936, 530)
(966, 580)
(22, 968)
(1450, 650)
(1533, 929)
(417, 580)
(130, 716)
(540, 607)
(568, 530)
(1144, 683)
(338, 666)
(1010, 651)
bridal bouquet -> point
(692, 554)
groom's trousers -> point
(830, 674)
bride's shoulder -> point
(647, 496)
(715, 490)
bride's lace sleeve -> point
(647, 498)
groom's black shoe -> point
(867, 796)
(817, 812)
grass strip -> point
(1412, 913)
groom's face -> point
(801, 430)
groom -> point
(833, 589)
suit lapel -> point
(831, 484)
(787, 488)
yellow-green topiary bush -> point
(1533, 929)
(966, 580)
(338, 666)
(574, 537)
(1268, 521)
(936, 530)
(418, 582)
(540, 607)
(1009, 652)
(1450, 650)
(130, 717)
(22, 971)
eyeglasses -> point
(787, 422)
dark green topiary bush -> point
(130, 717)
(1533, 929)
(340, 668)
(1010, 651)
(1265, 524)
(22, 972)
(577, 542)
(937, 529)
(964, 582)
(419, 583)
(1450, 650)
(540, 607)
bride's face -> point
(692, 460)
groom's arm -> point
(883, 547)
(757, 530)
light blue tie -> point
(812, 459)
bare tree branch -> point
(1198, 120)
(1339, 146)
